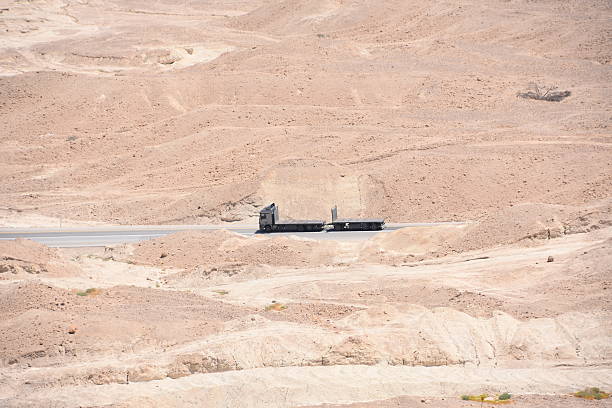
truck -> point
(355, 224)
(269, 221)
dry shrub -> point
(543, 93)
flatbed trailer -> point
(269, 221)
(355, 224)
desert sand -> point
(186, 112)
(166, 324)
(135, 112)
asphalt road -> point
(104, 236)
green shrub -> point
(484, 398)
(277, 307)
(89, 292)
(592, 393)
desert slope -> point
(191, 112)
(170, 113)
(528, 318)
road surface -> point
(113, 235)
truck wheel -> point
(268, 228)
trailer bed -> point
(269, 222)
(350, 220)
(293, 222)
(298, 226)
(358, 224)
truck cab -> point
(269, 221)
(267, 218)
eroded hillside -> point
(139, 112)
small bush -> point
(592, 393)
(504, 396)
(89, 292)
(221, 292)
(544, 93)
(277, 307)
(484, 398)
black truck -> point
(269, 221)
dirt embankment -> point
(42, 324)
(190, 249)
(509, 310)
(25, 259)
(215, 257)
(523, 224)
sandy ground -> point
(166, 112)
(531, 317)
(138, 112)
(519, 401)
